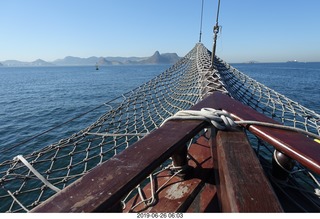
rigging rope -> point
(200, 34)
(215, 32)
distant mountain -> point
(16, 63)
(76, 61)
(104, 61)
(125, 59)
(13, 63)
(71, 61)
(40, 62)
(1, 64)
(156, 58)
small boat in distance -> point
(97, 66)
(292, 61)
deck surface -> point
(195, 194)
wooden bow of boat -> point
(224, 173)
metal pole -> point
(215, 31)
(201, 21)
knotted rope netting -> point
(30, 179)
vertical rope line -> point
(215, 31)
(201, 21)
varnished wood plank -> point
(206, 201)
(297, 146)
(243, 187)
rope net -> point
(31, 179)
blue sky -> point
(261, 30)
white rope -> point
(316, 190)
(36, 173)
(16, 200)
(218, 118)
(116, 134)
(222, 120)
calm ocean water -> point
(34, 99)
(298, 81)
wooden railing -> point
(242, 184)
(295, 145)
(102, 189)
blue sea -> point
(35, 99)
(299, 81)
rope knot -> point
(218, 118)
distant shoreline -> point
(85, 65)
(249, 63)
(155, 59)
(128, 62)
